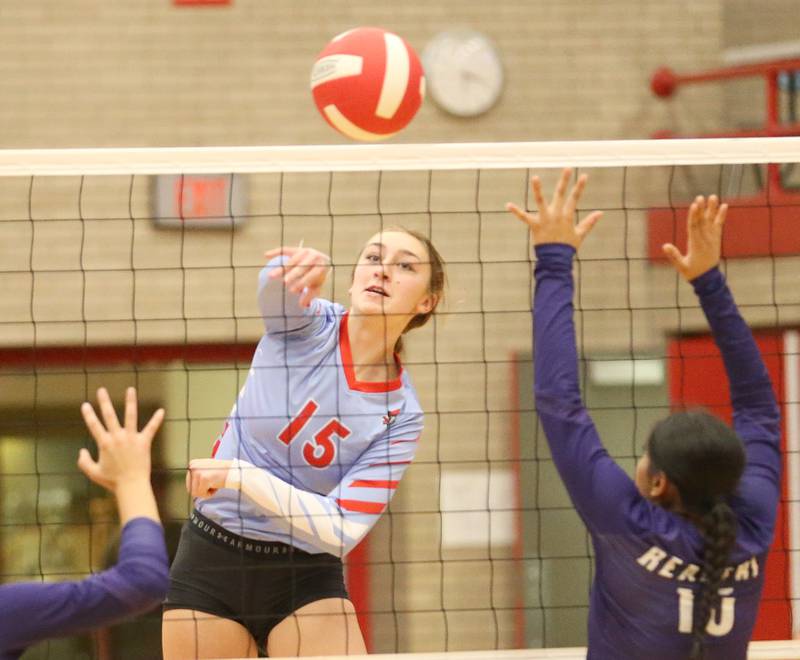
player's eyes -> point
(372, 258)
(406, 265)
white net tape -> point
(393, 157)
(772, 650)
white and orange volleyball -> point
(368, 83)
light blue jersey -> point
(319, 453)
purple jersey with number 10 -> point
(304, 418)
(648, 559)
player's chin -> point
(371, 304)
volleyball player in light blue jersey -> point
(312, 452)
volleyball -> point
(368, 83)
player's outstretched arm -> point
(139, 580)
(288, 285)
(596, 484)
(303, 272)
(756, 412)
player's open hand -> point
(304, 272)
(123, 450)
(555, 222)
(704, 224)
(206, 476)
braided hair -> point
(704, 459)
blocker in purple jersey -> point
(648, 560)
(680, 550)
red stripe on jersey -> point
(390, 463)
(401, 440)
(361, 506)
(215, 446)
(373, 483)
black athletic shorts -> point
(256, 583)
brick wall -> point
(146, 73)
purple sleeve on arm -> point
(600, 490)
(756, 416)
(138, 582)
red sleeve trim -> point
(361, 506)
(373, 483)
(402, 440)
(390, 463)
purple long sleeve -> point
(599, 488)
(756, 416)
(33, 611)
(648, 560)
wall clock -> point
(463, 71)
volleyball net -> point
(768, 650)
(140, 266)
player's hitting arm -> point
(288, 284)
(335, 523)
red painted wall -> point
(752, 228)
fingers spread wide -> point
(587, 224)
(107, 410)
(561, 186)
(524, 216)
(575, 194)
(131, 409)
(536, 186)
(94, 425)
(673, 254)
(719, 220)
(87, 464)
(153, 424)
